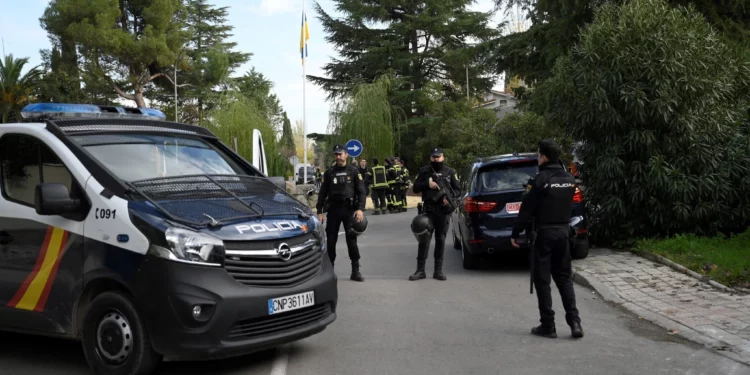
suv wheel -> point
(580, 248)
(115, 340)
(470, 261)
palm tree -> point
(16, 89)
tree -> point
(286, 143)
(655, 121)
(258, 87)
(418, 42)
(146, 37)
(16, 88)
(299, 139)
(210, 56)
(367, 115)
(236, 115)
(556, 24)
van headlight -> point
(320, 233)
(190, 247)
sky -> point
(269, 29)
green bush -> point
(658, 101)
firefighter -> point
(379, 185)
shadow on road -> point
(28, 351)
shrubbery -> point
(660, 104)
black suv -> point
(491, 192)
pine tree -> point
(210, 56)
(286, 143)
(425, 45)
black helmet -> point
(357, 228)
(422, 228)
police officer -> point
(343, 190)
(437, 210)
(548, 202)
(365, 172)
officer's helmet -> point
(422, 228)
(357, 228)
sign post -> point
(354, 148)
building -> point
(502, 102)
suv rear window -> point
(505, 176)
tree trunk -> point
(140, 101)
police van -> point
(147, 239)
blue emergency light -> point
(66, 110)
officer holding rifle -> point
(438, 185)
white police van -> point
(148, 239)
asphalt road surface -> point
(476, 322)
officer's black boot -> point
(576, 330)
(548, 331)
(419, 274)
(438, 273)
(439, 249)
(356, 276)
(421, 260)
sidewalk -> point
(675, 301)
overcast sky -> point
(270, 29)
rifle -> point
(444, 191)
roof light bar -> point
(66, 110)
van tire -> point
(117, 316)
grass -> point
(725, 260)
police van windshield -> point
(133, 157)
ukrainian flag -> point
(304, 36)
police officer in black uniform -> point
(548, 202)
(438, 212)
(343, 192)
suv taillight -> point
(473, 205)
(578, 196)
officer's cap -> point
(437, 151)
(337, 149)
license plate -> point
(289, 303)
(513, 208)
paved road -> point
(474, 323)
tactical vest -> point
(341, 186)
(378, 177)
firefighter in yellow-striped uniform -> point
(379, 187)
(393, 177)
(405, 183)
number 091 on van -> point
(146, 239)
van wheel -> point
(580, 249)
(115, 340)
(456, 242)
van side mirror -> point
(54, 199)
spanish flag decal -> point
(33, 293)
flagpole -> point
(304, 104)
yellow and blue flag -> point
(304, 36)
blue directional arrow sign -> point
(354, 147)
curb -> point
(682, 269)
(717, 346)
